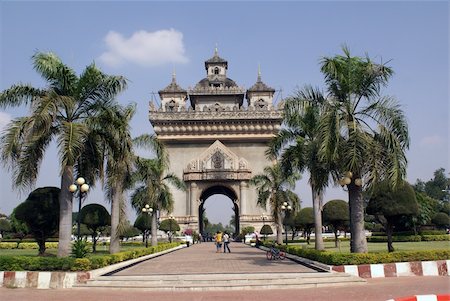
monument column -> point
(243, 186)
(193, 199)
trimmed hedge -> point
(34, 263)
(27, 245)
(333, 258)
(411, 238)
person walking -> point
(218, 240)
(226, 242)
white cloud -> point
(431, 141)
(144, 48)
(4, 120)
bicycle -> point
(274, 254)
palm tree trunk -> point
(279, 229)
(154, 228)
(114, 246)
(65, 213)
(317, 207)
(358, 242)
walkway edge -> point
(56, 279)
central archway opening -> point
(219, 202)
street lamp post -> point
(286, 208)
(81, 183)
(264, 217)
(149, 210)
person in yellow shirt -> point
(218, 240)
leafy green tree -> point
(299, 143)
(436, 188)
(247, 230)
(305, 219)
(62, 111)
(266, 230)
(169, 226)
(19, 228)
(144, 224)
(273, 186)
(5, 226)
(441, 220)
(153, 182)
(363, 132)
(128, 231)
(335, 214)
(40, 212)
(389, 205)
(96, 218)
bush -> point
(444, 237)
(27, 245)
(34, 263)
(333, 258)
(410, 238)
(432, 232)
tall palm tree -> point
(366, 133)
(298, 142)
(274, 186)
(112, 128)
(153, 182)
(60, 112)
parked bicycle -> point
(275, 253)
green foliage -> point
(444, 237)
(96, 218)
(333, 258)
(5, 226)
(435, 188)
(28, 263)
(247, 230)
(169, 225)
(40, 212)
(306, 217)
(392, 203)
(441, 220)
(402, 238)
(266, 230)
(26, 245)
(80, 248)
(335, 212)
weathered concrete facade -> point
(216, 143)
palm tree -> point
(274, 186)
(366, 133)
(112, 126)
(299, 143)
(60, 112)
(153, 182)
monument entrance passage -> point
(230, 195)
(216, 142)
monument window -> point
(171, 106)
(261, 104)
(216, 70)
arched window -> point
(216, 70)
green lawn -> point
(382, 247)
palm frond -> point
(19, 94)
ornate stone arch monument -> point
(216, 143)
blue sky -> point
(145, 40)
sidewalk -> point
(203, 259)
(380, 289)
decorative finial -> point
(174, 75)
(259, 72)
(216, 51)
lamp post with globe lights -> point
(82, 188)
(286, 208)
(149, 211)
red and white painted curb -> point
(398, 269)
(424, 298)
(42, 280)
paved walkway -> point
(379, 289)
(202, 259)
